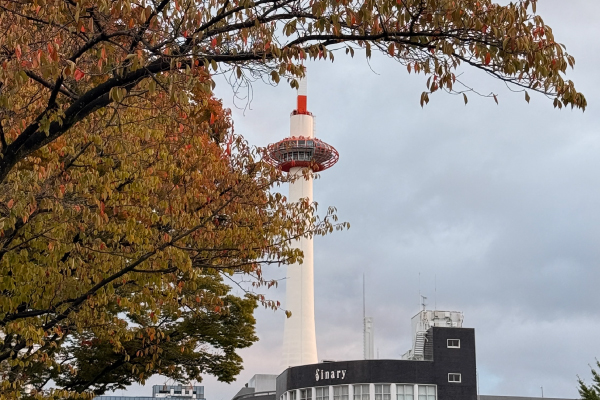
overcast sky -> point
(497, 203)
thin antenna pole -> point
(364, 301)
(364, 321)
(420, 287)
(435, 293)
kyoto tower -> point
(301, 150)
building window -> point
(340, 392)
(361, 392)
(426, 392)
(292, 395)
(382, 392)
(322, 393)
(405, 392)
(454, 378)
(306, 394)
(454, 343)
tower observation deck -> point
(304, 150)
(301, 150)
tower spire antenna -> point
(368, 338)
(364, 301)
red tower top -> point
(301, 107)
(302, 151)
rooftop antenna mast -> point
(420, 287)
(435, 292)
(364, 301)
(368, 340)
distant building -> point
(260, 387)
(177, 392)
(446, 371)
(441, 365)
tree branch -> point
(51, 86)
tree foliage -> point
(83, 55)
(119, 243)
(591, 392)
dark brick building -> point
(447, 372)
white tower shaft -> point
(299, 338)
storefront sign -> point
(322, 374)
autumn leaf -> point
(78, 74)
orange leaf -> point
(78, 74)
(488, 58)
(10, 204)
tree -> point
(119, 246)
(82, 56)
(591, 392)
(126, 204)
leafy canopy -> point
(591, 392)
(120, 241)
(81, 56)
